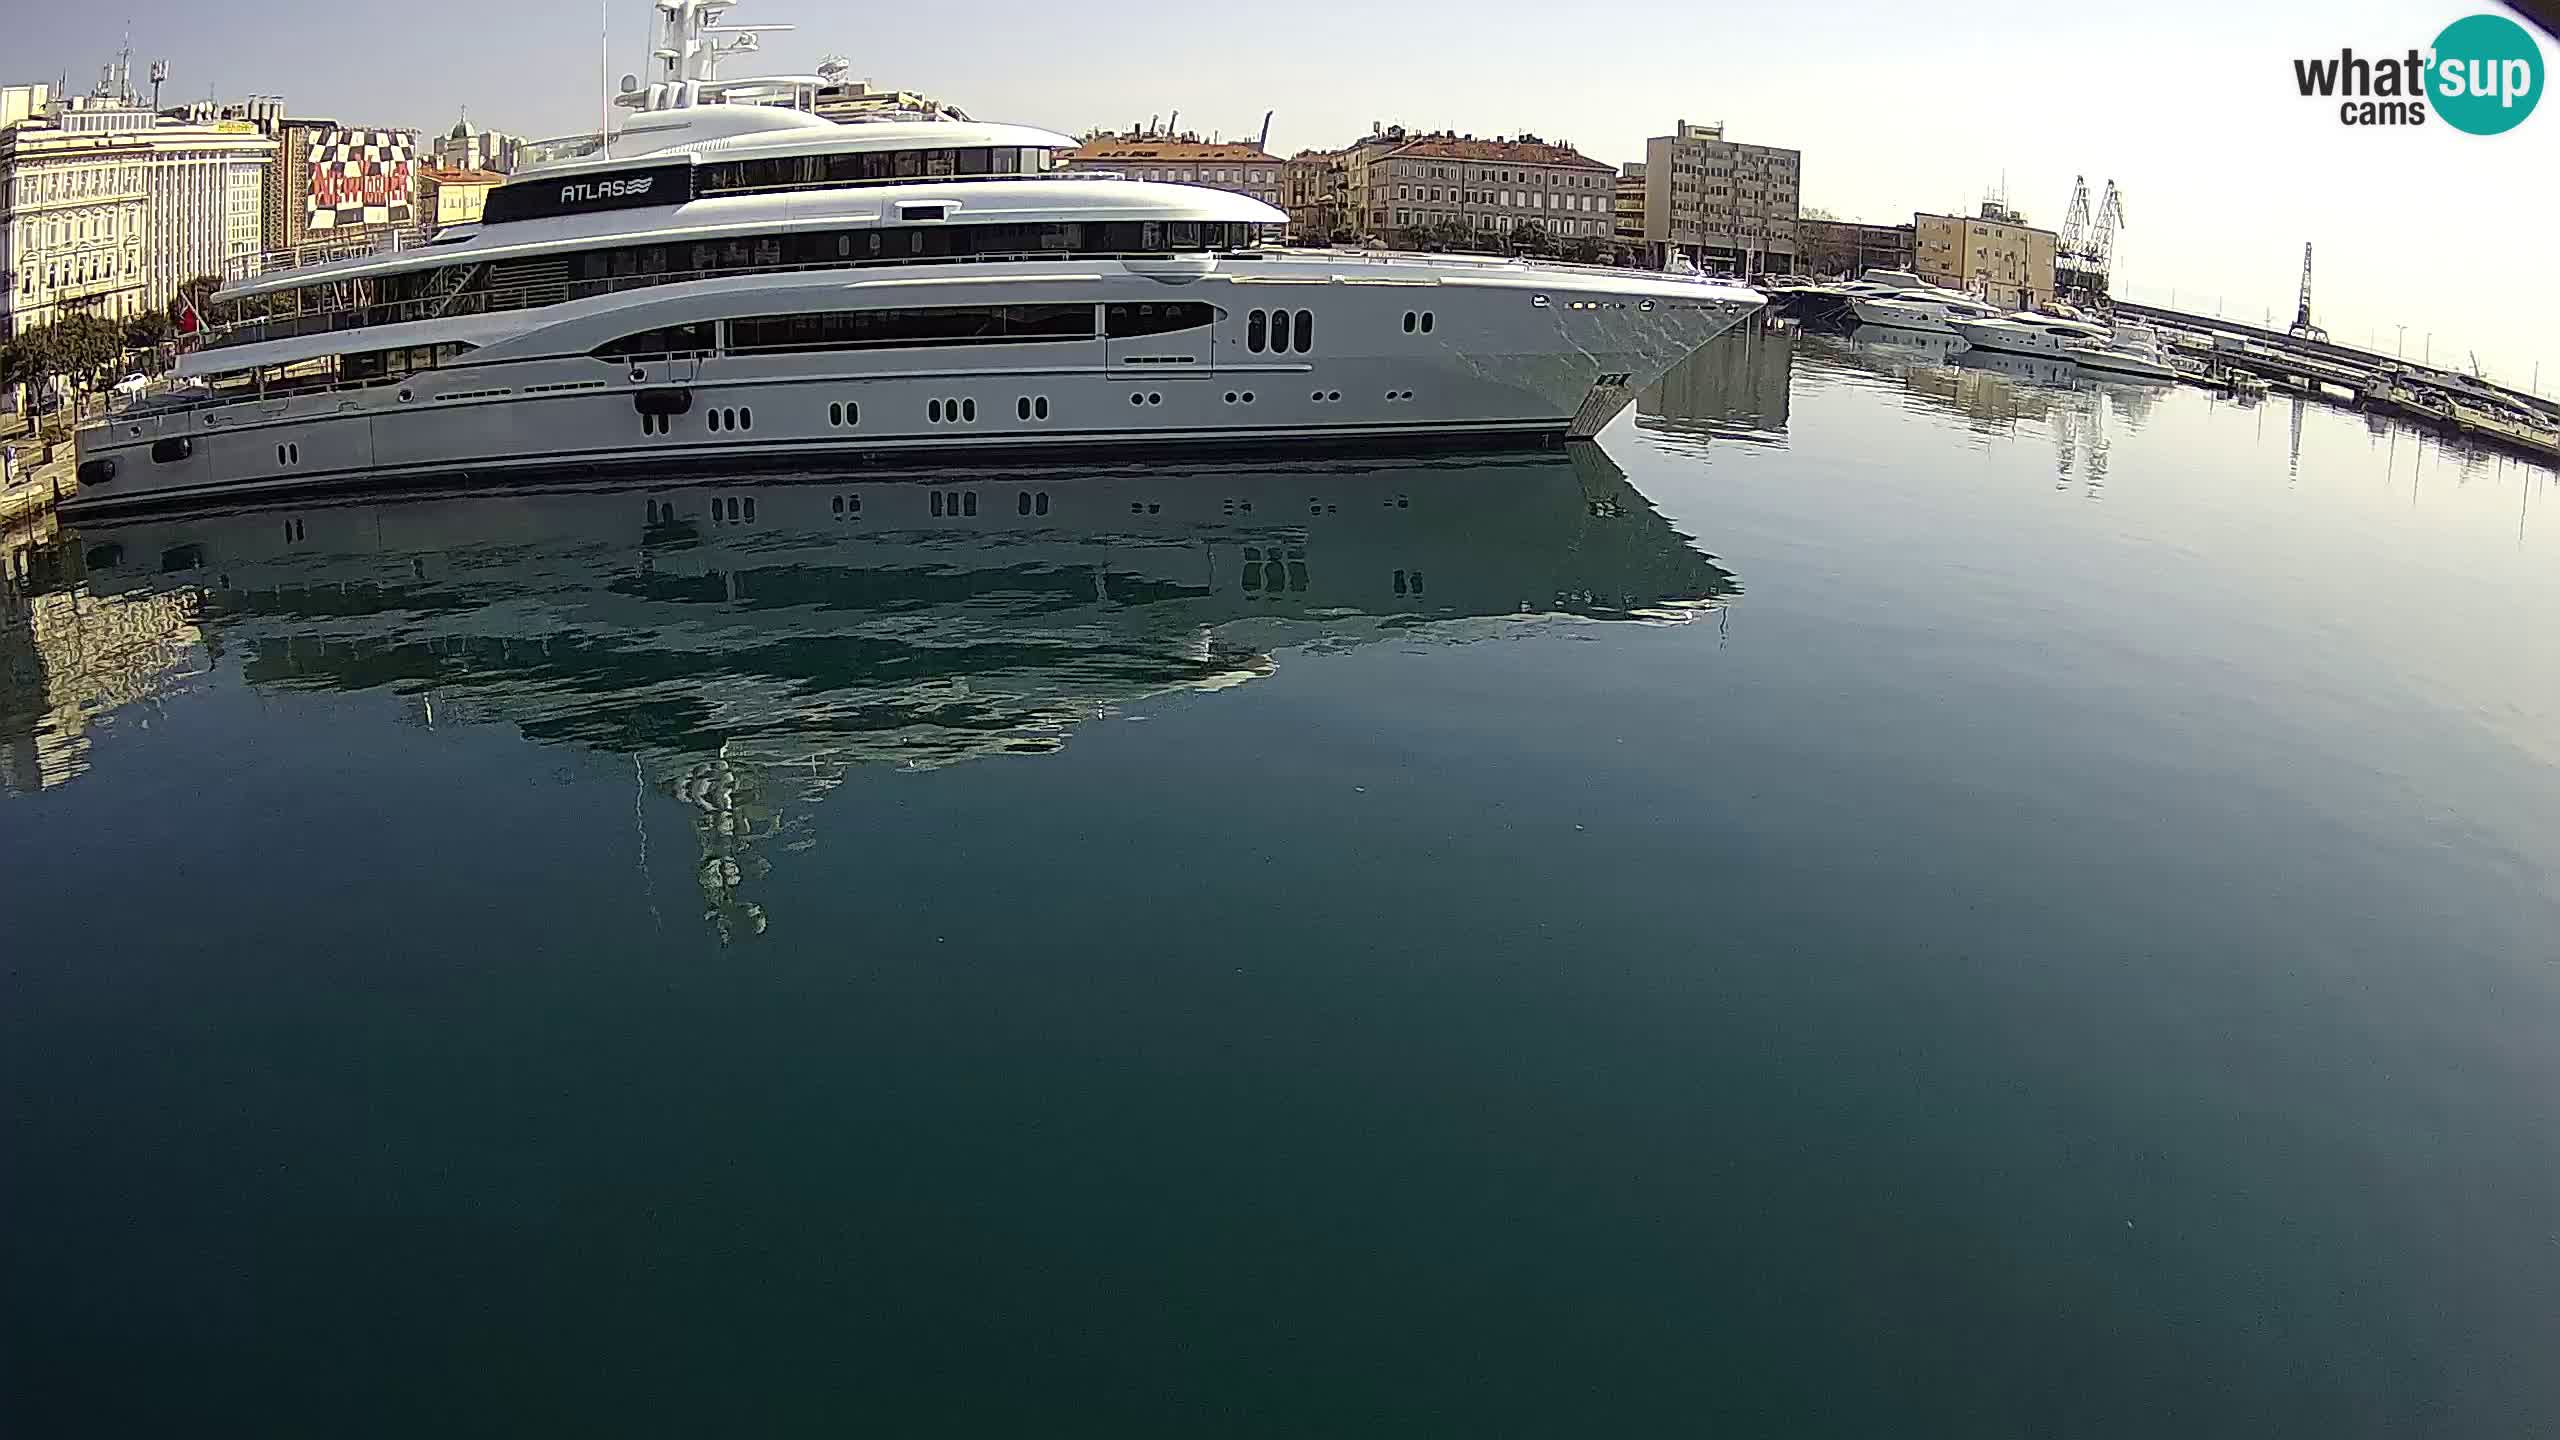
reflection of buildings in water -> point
(749, 644)
(68, 657)
(1735, 388)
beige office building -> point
(1727, 206)
(1628, 202)
(1996, 255)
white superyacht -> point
(730, 278)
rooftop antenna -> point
(604, 77)
(159, 77)
(1264, 144)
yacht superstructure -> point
(728, 277)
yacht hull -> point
(1507, 354)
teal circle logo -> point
(2486, 75)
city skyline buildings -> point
(1892, 116)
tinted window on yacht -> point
(917, 325)
(803, 172)
(693, 338)
(1128, 321)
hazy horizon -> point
(2190, 108)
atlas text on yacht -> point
(729, 277)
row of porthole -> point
(1324, 397)
(289, 453)
(656, 424)
(1031, 407)
(955, 412)
(843, 412)
(740, 418)
(1029, 502)
(737, 512)
(1277, 330)
(1146, 397)
(1399, 395)
(1234, 397)
(954, 502)
(848, 505)
(1417, 320)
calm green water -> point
(1901, 899)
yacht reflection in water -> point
(748, 644)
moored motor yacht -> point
(729, 277)
(2131, 349)
(2026, 332)
(1926, 308)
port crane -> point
(2303, 329)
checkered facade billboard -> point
(361, 177)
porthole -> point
(1254, 330)
(1022, 411)
(933, 411)
(746, 418)
(968, 410)
(1039, 407)
(1280, 332)
(1426, 322)
(835, 416)
(1022, 502)
(1248, 397)
(1306, 337)
(1409, 318)
(1231, 397)
(1155, 397)
(1040, 503)
(1137, 398)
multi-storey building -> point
(338, 191)
(463, 148)
(1628, 205)
(1411, 184)
(1725, 205)
(1849, 247)
(1314, 190)
(1240, 166)
(453, 197)
(1996, 255)
(107, 208)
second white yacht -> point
(2026, 332)
(2131, 350)
(731, 278)
(1927, 308)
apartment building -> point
(1724, 205)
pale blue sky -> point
(2189, 105)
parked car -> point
(131, 385)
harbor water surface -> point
(1896, 896)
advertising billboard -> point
(360, 177)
